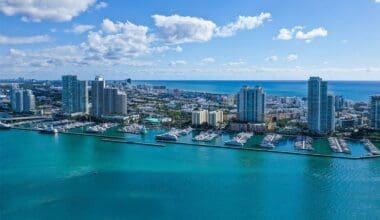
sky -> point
(190, 40)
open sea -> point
(77, 177)
(351, 90)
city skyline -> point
(251, 40)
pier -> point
(339, 145)
(273, 151)
(132, 142)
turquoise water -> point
(76, 177)
(352, 90)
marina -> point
(339, 145)
(240, 139)
(304, 143)
(206, 136)
(100, 128)
(133, 129)
(270, 140)
(370, 147)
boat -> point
(48, 130)
(134, 129)
(304, 143)
(95, 129)
(270, 140)
(239, 140)
(5, 126)
(186, 131)
(167, 137)
(234, 142)
(370, 147)
(206, 136)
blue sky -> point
(257, 40)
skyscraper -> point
(74, 95)
(330, 113)
(18, 101)
(251, 104)
(28, 101)
(339, 103)
(375, 112)
(97, 96)
(115, 102)
(320, 110)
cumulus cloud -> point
(24, 40)
(118, 40)
(298, 33)
(242, 23)
(80, 28)
(177, 29)
(310, 35)
(292, 57)
(38, 10)
(101, 5)
(271, 58)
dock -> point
(339, 145)
(257, 149)
(371, 147)
(132, 142)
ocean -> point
(78, 177)
(351, 90)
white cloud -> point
(80, 28)
(24, 40)
(101, 5)
(178, 49)
(177, 62)
(177, 29)
(292, 57)
(38, 10)
(310, 35)
(208, 60)
(271, 58)
(284, 34)
(298, 33)
(377, 1)
(242, 23)
(120, 40)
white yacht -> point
(167, 137)
(5, 126)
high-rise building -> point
(339, 103)
(22, 100)
(330, 113)
(29, 101)
(14, 88)
(199, 117)
(97, 96)
(115, 102)
(251, 104)
(74, 95)
(318, 106)
(83, 97)
(375, 112)
(18, 101)
(215, 118)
